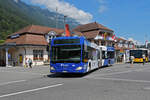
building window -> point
(126, 45)
(37, 54)
(120, 45)
(130, 46)
(103, 43)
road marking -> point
(6, 83)
(147, 88)
(32, 90)
(127, 80)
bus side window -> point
(98, 54)
(103, 54)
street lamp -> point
(65, 22)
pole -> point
(6, 57)
(64, 23)
(56, 17)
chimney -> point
(67, 30)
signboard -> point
(52, 33)
(14, 36)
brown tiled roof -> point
(91, 34)
(38, 30)
(91, 26)
(88, 35)
(77, 33)
(120, 39)
(28, 39)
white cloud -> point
(66, 9)
(103, 6)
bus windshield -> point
(110, 54)
(136, 53)
(66, 54)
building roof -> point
(88, 35)
(77, 34)
(91, 26)
(91, 34)
(120, 39)
(28, 39)
(32, 35)
(124, 40)
(36, 29)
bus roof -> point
(140, 49)
(82, 40)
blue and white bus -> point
(107, 55)
(73, 55)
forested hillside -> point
(14, 16)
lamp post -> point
(65, 22)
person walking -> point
(30, 62)
(144, 59)
(132, 60)
(26, 62)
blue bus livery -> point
(73, 55)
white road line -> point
(32, 90)
(6, 83)
(127, 80)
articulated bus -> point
(138, 55)
(107, 55)
(73, 55)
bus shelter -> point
(6, 51)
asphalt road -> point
(118, 82)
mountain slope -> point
(14, 16)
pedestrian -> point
(26, 62)
(30, 62)
(132, 59)
(144, 59)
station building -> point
(30, 42)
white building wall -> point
(26, 52)
(29, 54)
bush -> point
(2, 41)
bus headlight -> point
(78, 68)
(52, 68)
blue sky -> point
(128, 18)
